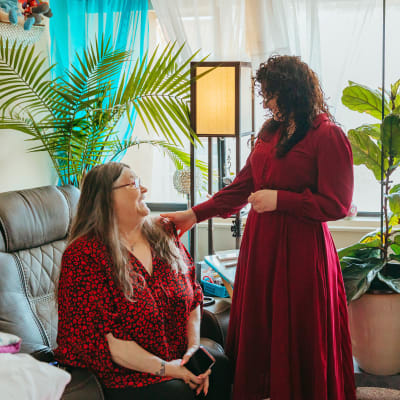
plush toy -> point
(10, 7)
(33, 11)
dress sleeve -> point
(85, 312)
(230, 199)
(333, 196)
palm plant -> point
(74, 118)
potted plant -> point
(74, 117)
(371, 269)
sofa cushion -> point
(30, 218)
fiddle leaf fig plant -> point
(374, 261)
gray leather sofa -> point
(33, 229)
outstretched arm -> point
(224, 203)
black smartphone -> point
(200, 361)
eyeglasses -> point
(131, 185)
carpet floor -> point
(371, 393)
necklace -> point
(129, 246)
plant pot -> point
(375, 332)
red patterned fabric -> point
(91, 305)
(288, 331)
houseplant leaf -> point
(371, 130)
(391, 135)
(394, 202)
(364, 100)
(365, 151)
(390, 273)
(359, 271)
(394, 98)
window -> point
(350, 45)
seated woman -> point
(129, 305)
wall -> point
(20, 169)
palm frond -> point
(73, 117)
(150, 89)
(23, 78)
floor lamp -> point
(221, 105)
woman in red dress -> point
(288, 332)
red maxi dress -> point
(288, 332)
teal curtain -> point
(75, 23)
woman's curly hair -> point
(298, 94)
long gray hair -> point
(96, 217)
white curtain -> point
(339, 39)
(350, 49)
(246, 30)
(216, 27)
(283, 27)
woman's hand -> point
(189, 352)
(264, 200)
(183, 220)
(205, 376)
(175, 369)
(203, 387)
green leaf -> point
(391, 135)
(361, 98)
(394, 202)
(395, 99)
(393, 219)
(371, 130)
(395, 248)
(353, 250)
(395, 188)
(365, 152)
(359, 271)
(392, 282)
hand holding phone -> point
(200, 361)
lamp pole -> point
(383, 115)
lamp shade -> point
(222, 99)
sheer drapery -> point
(283, 27)
(339, 39)
(216, 27)
(232, 30)
(351, 50)
(246, 30)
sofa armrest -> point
(84, 383)
(215, 321)
(45, 354)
